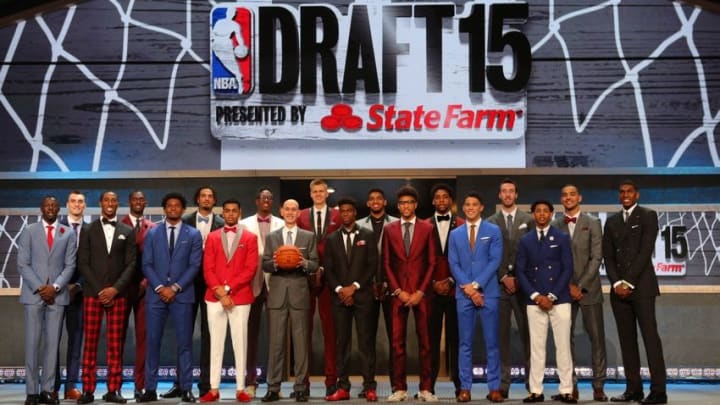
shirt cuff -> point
(157, 289)
(552, 297)
(534, 295)
(176, 287)
(356, 284)
(337, 289)
(57, 287)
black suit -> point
(200, 288)
(627, 250)
(343, 271)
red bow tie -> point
(571, 219)
(264, 219)
(230, 229)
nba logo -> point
(231, 50)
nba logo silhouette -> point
(231, 50)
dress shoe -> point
(371, 395)
(210, 396)
(599, 395)
(495, 396)
(534, 398)
(301, 396)
(463, 396)
(138, 393)
(250, 389)
(87, 397)
(505, 394)
(329, 390)
(72, 393)
(148, 396)
(361, 394)
(339, 395)
(242, 396)
(567, 399)
(627, 397)
(307, 393)
(174, 392)
(32, 399)
(271, 396)
(426, 396)
(187, 396)
(653, 398)
(115, 397)
(398, 396)
(47, 398)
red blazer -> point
(237, 272)
(138, 280)
(307, 220)
(414, 272)
(442, 266)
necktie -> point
(106, 221)
(406, 238)
(542, 235)
(137, 224)
(288, 238)
(443, 218)
(50, 236)
(348, 243)
(230, 229)
(75, 227)
(626, 215)
(172, 240)
(202, 219)
(570, 219)
(472, 237)
(318, 216)
(266, 220)
(77, 234)
(509, 225)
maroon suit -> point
(321, 294)
(136, 302)
(410, 273)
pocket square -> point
(485, 238)
(553, 246)
(635, 226)
(361, 243)
(121, 237)
(522, 226)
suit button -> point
(549, 267)
(551, 278)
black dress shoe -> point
(86, 398)
(115, 397)
(47, 398)
(532, 398)
(137, 394)
(271, 396)
(301, 396)
(361, 394)
(653, 398)
(187, 396)
(32, 399)
(568, 399)
(329, 390)
(148, 396)
(505, 394)
(174, 392)
(627, 397)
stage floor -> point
(682, 393)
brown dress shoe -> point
(73, 394)
(495, 396)
(463, 396)
(599, 395)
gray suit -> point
(587, 255)
(289, 296)
(522, 223)
(39, 266)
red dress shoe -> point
(72, 394)
(339, 395)
(463, 396)
(495, 396)
(210, 396)
(371, 396)
(243, 396)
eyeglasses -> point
(405, 202)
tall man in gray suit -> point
(585, 290)
(628, 244)
(514, 224)
(46, 262)
(289, 297)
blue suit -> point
(481, 266)
(545, 266)
(163, 269)
(38, 266)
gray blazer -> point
(522, 224)
(39, 266)
(587, 255)
(290, 287)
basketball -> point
(287, 257)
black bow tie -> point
(443, 218)
(106, 221)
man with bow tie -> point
(106, 261)
(585, 289)
(171, 259)
(230, 263)
(350, 262)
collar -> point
(412, 221)
(544, 230)
(631, 209)
(322, 209)
(479, 221)
(506, 213)
(54, 224)
(288, 229)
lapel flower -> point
(62, 230)
(552, 238)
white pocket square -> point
(485, 238)
(121, 237)
(522, 226)
(553, 246)
(634, 226)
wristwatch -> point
(227, 289)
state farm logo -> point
(341, 116)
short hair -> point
(102, 195)
(541, 202)
(508, 180)
(347, 201)
(629, 182)
(442, 186)
(135, 191)
(376, 190)
(571, 185)
(201, 188)
(48, 197)
(473, 194)
(232, 201)
(76, 192)
(174, 196)
(407, 190)
(318, 182)
(260, 191)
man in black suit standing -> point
(350, 263)
(628, 244)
